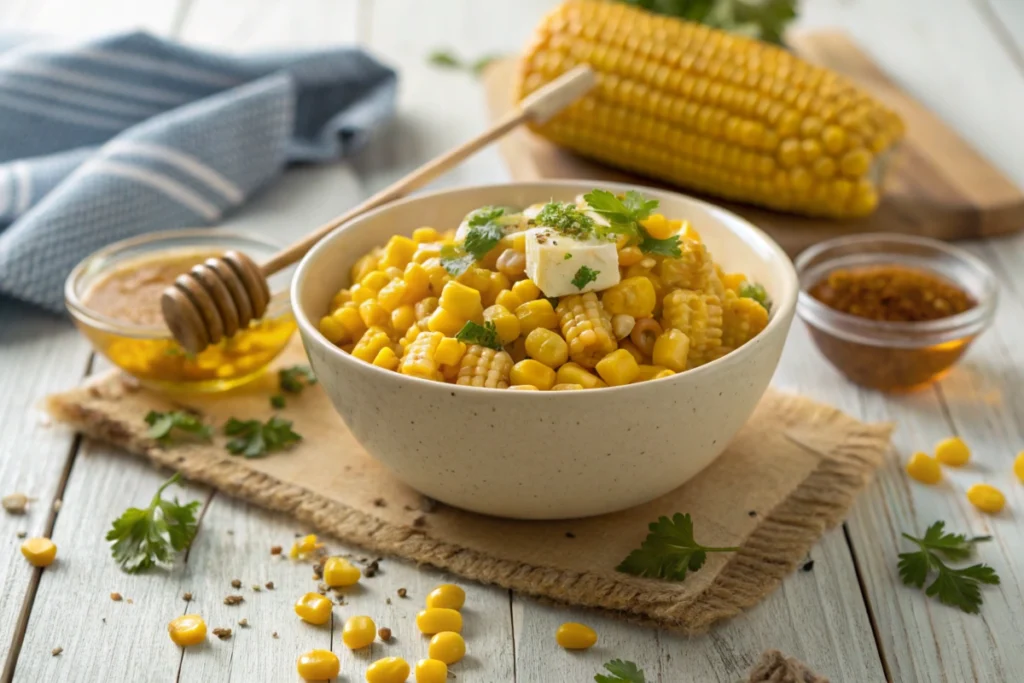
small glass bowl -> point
(147, 352)
(894, 356)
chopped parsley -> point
(625, 215)
(566, 219)
(666, 247)
(141, 538)
(296, 378)
(567, 256)
(484, 335)
(957, 587)
(253, 438)
(164, 427)
(669, 551)
(277, 401)
(584, 276)
(485, 231)
(621, 672)
(757, 293)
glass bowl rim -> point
(279, 305)
(898, 334)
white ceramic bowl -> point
(544, 455)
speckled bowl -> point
(544, 455)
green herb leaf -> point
(253, 438)
(669, 551)
(484, 335)
(762, 19)
(295, 379)
(141, 538)
(955, 587)
(670, 246)
(482, 238)
(566, 219)
(621, 672)
(277, 401)
(455, 260)
(484, 215)
(445, 58)
(757, 293)
(624, 216)
(165, 427)
(584, 276)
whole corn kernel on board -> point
(936, 185)
(600, 292)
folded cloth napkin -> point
(113, 138)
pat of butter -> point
(554, 259)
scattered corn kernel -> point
(986, 498)
(924, 468)
(953, 452)
(437, 619)
(547, 347)
(188, 629)
(573, 636)
(535, 314)
(388, 670)
(339, 572)
(314, 608)
(447, 595)
(532, 372)
(431, 671)
(304, 546)
(447, 647)
(40, 552)
(618, 367)
(318, 665)
(358, 632)
(1018, 466)
(573, 373)
(671, 349)
(526, 290)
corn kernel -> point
(1018, 466)
(339, 572)
(633, 296)
(618, 368)
(447, 595)
(536, 313)
(373, 314)
(318, 665)
(507, 299)
(388, 670)
(425, 307)
(649, 372)
(533, 372)
(526, 290)
(462, 301)
(506, 324)
(447, 647)
(986, 498)
(924, 468)
(449, 351)
(397, 252)
(358, 632)
(40, 552)
(548, 347)
(386, 359)
(333, 330)
(574, 373)
(364, 266)
(671, 349)
(425, 235)
(314, 608)
(953, 452)
(437, 619)
(417, 283)
(524, 387)
(431, 671)
(573, 636)
(567, 387)
(403, 317)
(188, 629)
(519, 242)
(304, 546)
(658, 227)
(629, 256)
(374, 281)
(443, 320)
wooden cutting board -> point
(937, 185)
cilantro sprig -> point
(669, 551)
(621, 672)
(142, 537)
(583, 277)
(485, 231)
(169, 426)
(296, 378)
(955, 587)
(752, 290)
(484, 335)
(624, 216)
(253, 438)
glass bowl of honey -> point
(114, 298)
(893, 312)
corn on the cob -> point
(712, 111)
(742, 319)
(420, 358)
(699, 316)
(587, 328)
(692, 270)
(484, 367)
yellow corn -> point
(534, 373)
(318, 665)
(447, 595)
(924, 468)
(629, 256)
(548, 347)
(444, 321)
(447, 647)
(699, 317)
(403, 317)
(691, 270)
(534, 314)
(437, 619)
(712, 111)
(526, 290)
(364, 266)
(314, 608)
(742, 319)
(397, 252)
(1018, 466)
(524, 387)
(953, 452)
(344, 324)
(374, 281)
(567, 387)
(339, 572)
(420, 359)
(388, 670)
(618, 368)
(649, 372)
(671, 349)
(40, 552)
(484, 367)
(358, 632)
(661, 228)
(370, 344)
(986, 498)
(587, 328)
(425, 307)
(431, 671)
(573, 636)
(505, 322)
(373, 314)
(417, 283)
(392, 295)
(462, 301)
(507, 299)
(425, 234)
(634, 350)
(633, 296)
(304, 547)
(386, 359)
(188, 629)
(573, 373)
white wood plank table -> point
(849, 617)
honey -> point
(128, 296)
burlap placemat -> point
(792, 473)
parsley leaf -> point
(485, 231)
(455, 260)
(140, 538)
(584, 276)
(757, 293)
(621, 672)
(566, 219)
(669, 551)
(625, 215)
(956, 587)
(567, 256)
(277, 401)
(165, 426)
(254, 438)
(296, 378)
(484, 335)
(762, 19)
(669, 246)
(444, 58)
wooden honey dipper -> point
(224, 294)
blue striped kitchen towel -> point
(116, 137)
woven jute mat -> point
(790, 474)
